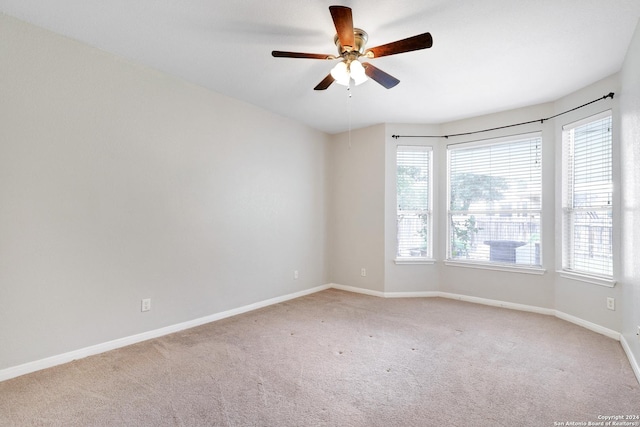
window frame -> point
(566, 269)
(428, 257)
(532, 268)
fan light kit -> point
(342, 73)
(351, 44)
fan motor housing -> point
(360, 40)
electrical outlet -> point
(145, 305)
(611, 303)
(363, 272)
(295, 274)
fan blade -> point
(325, 83)
(343, 20)
(421, 41)
(386, 80)
(281, 54)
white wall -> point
(357, 207)
(119, 183)
(630, 154)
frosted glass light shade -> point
(341, 74)
(357, 72)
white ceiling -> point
(487, 55)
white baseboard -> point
(485, 301)
(357, 290)
(424, 294)
(589, 325)
(632, 360)
(49, 362)
(380, 294)
(514, 306)
(540, 310)
(498, 303)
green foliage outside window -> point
(468, 188)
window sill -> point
(594, 280)
(414, 261)
(497, 267)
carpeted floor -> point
(340, 359)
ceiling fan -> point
(351, 43)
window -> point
(413, 166)
(495, 201)
(587, 219)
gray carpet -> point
(340, 359)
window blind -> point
(495, 193)
(413, 165)
(587, 197)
